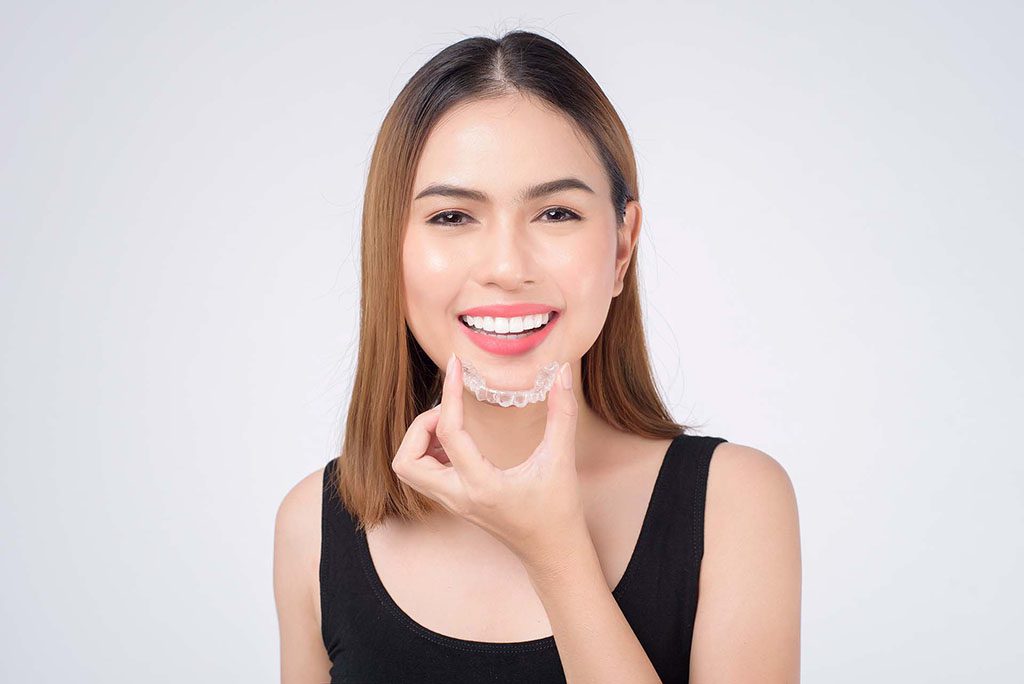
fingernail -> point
(566, 376)
(451, 364)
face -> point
(495, 245)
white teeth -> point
(514, 325)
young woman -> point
(578, 534)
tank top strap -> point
(660, 599)
(687, 493)
(340, 570)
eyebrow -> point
(531, 193)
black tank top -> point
(370, 639)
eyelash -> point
(573, 216)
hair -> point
(395, 380)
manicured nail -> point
(451, 364)
(566, 376)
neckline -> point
(541, 643)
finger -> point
(420, 470)
(417, 438)
(458, 444)
(563, 409)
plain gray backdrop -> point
(831, 259)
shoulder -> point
(297, 534)
(736, 468)
(299, 510)
(297, 582)
(748, 613)
(750, 498)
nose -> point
(506, 255)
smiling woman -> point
(459, 537)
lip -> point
(510, 347)
(508, 310)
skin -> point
(747, 626)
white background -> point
(831, 258)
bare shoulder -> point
(296, 580)
(751, 507)
(297, 525)
(739, 468)
(748, 613)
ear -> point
(626, 237)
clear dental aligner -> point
(475, 383)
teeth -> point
(500, 325)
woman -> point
(456, 539)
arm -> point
(595, 642)
(296, 580)
(747, 627)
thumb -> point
(560, 430)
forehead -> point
(501, 145)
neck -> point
(508, 436)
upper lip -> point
(508, 310)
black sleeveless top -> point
(370, 639)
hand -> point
(533, 508)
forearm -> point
(595, 642)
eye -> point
(570, 214)
(445, 218)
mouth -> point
(552, 317)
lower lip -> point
(508, 347)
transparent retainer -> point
(519, 398)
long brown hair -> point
(395, 380)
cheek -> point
(586, 277)
(424, 264)
(431, 280)
(587, 267)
